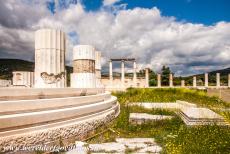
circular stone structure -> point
(31, 117)
(83, 75)
(50, 48)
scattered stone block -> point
(141, 118)
(150, 149)
(135, 140)
(150, 105)
(107, 147)
(135, 146)
(121, 145)
(200, 116)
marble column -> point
(206, 79)
(98, 69)
(50, 48)
(83, 75)
(182, 83)
(111, 71)
(217, 79)
(194, 81)
(134, 74)
(123, 72)
(229, 80)
(146, 77)
(158, 80)
(170, 80)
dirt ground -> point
(224, 94)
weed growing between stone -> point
(173, 135)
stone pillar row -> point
(123, 73)
(194, 80)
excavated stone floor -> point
(141, 118)
(121, 145)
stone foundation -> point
(78, 130)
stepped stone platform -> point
(121, 145)
(141, 118)
(200, 116)
(61, 114)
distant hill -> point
(7, 66)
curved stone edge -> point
(79, 130)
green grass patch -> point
(173, 135)
(170, 95)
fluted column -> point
(50, 47)
(194, 81)
(182, 83)
(98, 69)
(111, 71)
(146, 77)
(134, 74)
(123, 72)
(159, 80)
(217, 79)
(206, 79)
(170, 80)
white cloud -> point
(110, 2)
(154, 40)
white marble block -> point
(23, 78)
(200, 116)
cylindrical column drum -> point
(50, 47)
(83, 67)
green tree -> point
(152, 78)
(165, 71)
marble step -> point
(23, 106)
(15, 121)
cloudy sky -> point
(189, 36)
